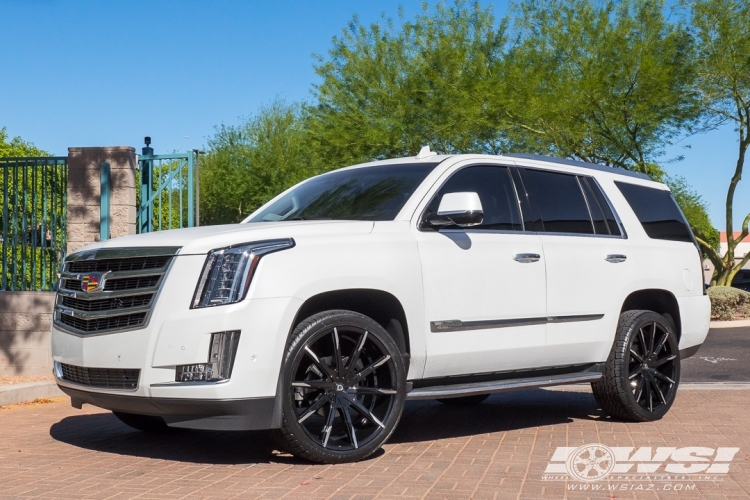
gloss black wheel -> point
(643, 370)
(344, 388)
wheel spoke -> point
(661, 343)
(639, 390)
(636, 355)
(649, 396)
(364, 411)
(323, 399)
(359, 376)
(661, 361)
(329, 425)
(356, 353)
(658, 391)
(350, 430)
(315, 384)
(635, 373)
(644, 349)
(320, 364)
(653, 339)
(660, 375)
(337, 352)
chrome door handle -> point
(525, 258)
(616, 258)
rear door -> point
(485, 304)
(586, 263)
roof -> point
(582, 164)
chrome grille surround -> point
(127, 283)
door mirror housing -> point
(457, 209)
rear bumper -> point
(210, 414)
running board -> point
(458, 390)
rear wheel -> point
(145, 423)
(474, 399)
(344, 387)
(643, 369)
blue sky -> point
(96, 73)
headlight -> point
(228, 271)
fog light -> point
(220, 360)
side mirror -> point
(457, 209)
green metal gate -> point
(166, 190)
(33, 220)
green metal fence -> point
(33, 220)
(166, 191)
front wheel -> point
(344, 387)
(642, 372)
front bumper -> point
(213, 414)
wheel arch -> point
(383, 307)
(658, 300)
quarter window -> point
(495, 190)
(560, 202)
(659, 214)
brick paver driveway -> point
(499, 449)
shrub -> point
(729, 303)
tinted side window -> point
(614, 227)
(659, 214)
(560, 201)
(495, 190)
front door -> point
(484, 286)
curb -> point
(741, 323)
(19, 393)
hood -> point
(200, 240)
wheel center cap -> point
(339, 387)
(645, 366)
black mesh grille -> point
(72, 285)
(107, 304)
(130, 264)
(106, 378)
(95, 325)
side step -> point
(458, 390)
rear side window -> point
(559, 200)
(659, 214)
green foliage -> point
(387, 91)
(722, 33)
(248, 164)
(604, 82)
(17, 146)
(695, 210)
(729, 303)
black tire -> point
(642, 372)
(474, 399)
(145, 423)
(343, 388)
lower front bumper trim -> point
(210, 414)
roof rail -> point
(582, 164)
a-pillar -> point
(84, 191)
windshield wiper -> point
(309, 218)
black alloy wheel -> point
(344, 388)
(642, 372)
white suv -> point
(430, 277)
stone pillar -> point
(84, 190)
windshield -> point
(367, 193)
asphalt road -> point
(724, 357)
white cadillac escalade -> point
(430, 277)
